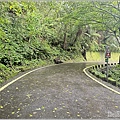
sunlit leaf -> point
(30, 115)
(68, 112)
(55, 108)
(1, 106)
(13, 113)
(78, 115)
(43, 107)
(116, 106)
(16, 88)
(38, 109)
(76, 100)
(34, 113)
(29, 95)
(98, 111)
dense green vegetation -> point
(34, 33)
(113, 74)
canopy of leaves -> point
(44, 30)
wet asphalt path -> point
(60, 91)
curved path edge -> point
(8, 84)
(84, 70)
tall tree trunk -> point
(79, 32)
(65, 38)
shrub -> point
(112, 81)
(5, 72)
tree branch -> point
(114, 15)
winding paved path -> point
(60, 91)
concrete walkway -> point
(60, 91)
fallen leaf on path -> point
(38, 109)
(43, 107)
(18, 115)
(1, 106)
(18, 111)
(20, 104)
(98, 111)
(68, 112)
(67, 90)
(12, 98)
(13, 113)
(29, 95)
(116, 106)
(34, 113)
(78, 115)
(16, 88)
(30, 115)
(55, 108)
(76, 100)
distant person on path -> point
(84, 53)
